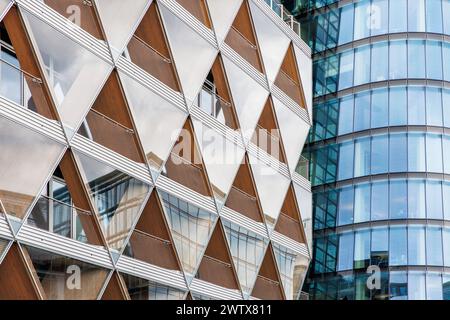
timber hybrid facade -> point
(132, 159)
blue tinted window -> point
(434, 286)
(434, 60)
(397, 246)
(416, 152)
(434, 246)
(362, 157)
(380, 66)
(380, 152)
(398, 284)
(346, 115)
(362, 111)
(346, 25)
(434, 153)
(416, 59)
(380, 106)
(446, 103)
(434, 200)
(416, 199)
(446, 196)
(346, 70)
(362, 65)
(434, 107)
(397, 200)
(446, 242)
(397, 60)
(362, 203)
(416, 283)
(362, 249)
(446, 12)
(345, 258)
(397, 21)
(446, 146)
(416, 15)
(345, 209)
(434, 16)
(380, 196)
(380, 17)
(397, 153)
(416, 245)
(346, 160)
(362, 16)
(398, 107)
(416, 106)
(446, 58)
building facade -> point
(379, 148)
(149, 150)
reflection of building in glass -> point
(378, 146)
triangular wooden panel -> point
(221, 107)
(40, 100)
(243, 196)
(79, 12)
(288, 78)
(242, 37)
(69, 173)
(114, 290)
(16, 280)
(185, 163)
(198, 9)
(109, 122)
(217, 265)
(268, 284)
(151, 241)
(149, 50)
(289, 222)
(267, 133)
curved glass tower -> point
(379, 148)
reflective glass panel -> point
(434, 153)
(346, 160)
(398, 246)
(345, 208)
(345, 258)
(380, 201)
(416, 15)
(362, 157)
(416, 286)
(362, 111)
(434, 106)
(434, 286)
(397, 60)
(362, 203)
(416, 152)
(380, 154)
(362, 65)
(397, 106)
(346, 115)
(434, 200)
(416, 106)
(416, 199)
(398, 21)
(380, 108)
(434, 60)
(142, 289)
(416, 245)
(416, 59)
(434, 246)
(397, 153)
(380, 62)
(362, 249)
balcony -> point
(303, 167)
(268, 142)
(244, 47)
(290, 87)
(217, 272)
(285, 15)
(244, 203)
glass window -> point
(397, 21)
(345, 209)
(362, 157)
(380, 153)
(416, 245)
(345, 257)
(380, 59)
(380, 196)
(446, 103)
(434, 153)
(446, 242)
(446, 145)
(446, 59)
(416, 106)
(397, 246)
(446, 11)
(446, 281)
(416, 285)
(397, 199)
(379, 17)
(434, 246)
(434, 200)
(362, 203)
(416, 15)
(380, 106)
(398, 285)
(346, 70)
(362, 65)
(446, 196)
(397, 153)
(362, 249)
(416, 59)
(416, 199)
(380, 247)
(434, 16)
(434, 286)
(416, 152)
(397, 60)
(434, 107)
(346, 160)
(434, 60)
(346, 115)
(346, 25)
(362, 111)
(398, 107)
(362, 20)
